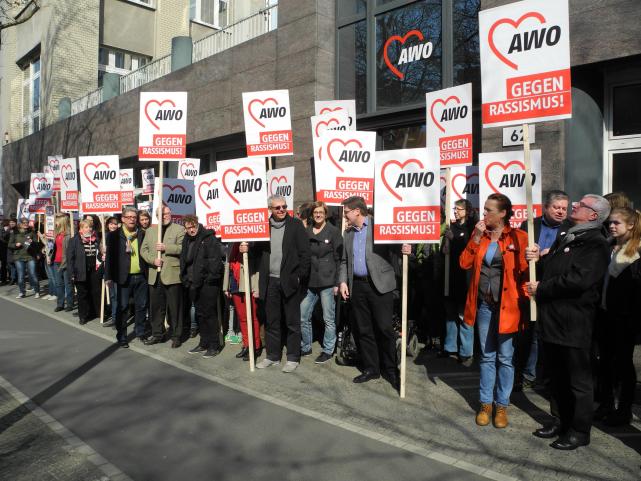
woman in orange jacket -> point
(496, 256)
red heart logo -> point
(174, 187)
(53, 163)
(208, 184)
(62, 173)
(402, 165)
(328, 109)
(278, 180)
(467, 177)
(504, 167)
(96, 166)
(326, 124)
(345, 144)
(160, 104)
(35, 189)
(184, 165)
(509, 21)
(411, 33)
(262, 102)
(237, 172)
(444, 102)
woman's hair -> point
(471, 214)
(85, 223)
(61, 223)
(111, 219)
(618, 199)
(305, 211)
(630, 216)
(505, 204)
(316, 205)
(143, 213)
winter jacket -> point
(76, 259)
(207, 263)
(117, 260)
(23, 253)
(65, 246)
(326, 249)
(173, 239)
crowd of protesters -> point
(184, 283)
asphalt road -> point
(157, 422)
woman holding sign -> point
(495, 255)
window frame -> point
(30, 116)
(197, 18)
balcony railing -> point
(90, 100)
(152, 71)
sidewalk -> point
(435, 419)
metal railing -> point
(145, 74)
(90, 100)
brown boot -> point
(500, 418)
(484, 415)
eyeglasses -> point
(459, 208)
(279, 207)
(129, 217)
(345, 211)
(583, 204)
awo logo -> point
(54, 164)
(539, 37)
(327, 110)
(125, 180)
(404, 54)
(440, 112)
(148, 176)
(405, 179)
(162, 110)
(67, 174)
(40, 184)
(506, 179)
(282, 187)
(240, 186)
(98, 172)
(177, 197)
(265, 109)
(330, 124)
(348, 151)
(469, 187)
(208, 192)
(188, 170)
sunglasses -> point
(279, 207)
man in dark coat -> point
(283, 274)
(201, 269)
(568, 296)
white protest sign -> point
(24, 212)
(188, 169)
(40, 192)
(525, 62)
(68, 185)
(406, 197)
(281, 182)
(50, 221)
(148, 178)
(178, 195)
(464, 184)
(449, 124)
(53, 167)
(163, 126)
(346, 166)
(268, 126)
(100, 184)
(207, 193)
(144, 205)
(127, 186)
(504, 173)
(330, 121)
(322, 107)
(243, 200)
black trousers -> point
(205, 300)
(571, 386)
(89, 295)
(166, 301)
(372, 313)
(280, 310)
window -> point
(31, 97)
(118, 61)
(210, 12)
(353, 64)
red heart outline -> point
(327, 109)
(53, 161)
(174, 187)
(271, 183)
(184, 164)
(262, 102)
(509, 21)
(444, 102)
(237, 172)
(467, 177)
(62, 168)
(403, 39)
(160, 104)
(329, 151)
(402, 165)
(200, 195)
(84, 171)
(44, 179)
(322, 122)
(504, 167)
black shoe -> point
(306, 353)
(123, 344)
(446, 354)
(193, 333)
(75, 314)
(69, 309)
(109, 323)
(58, 309)
(548, 431)
(569, 442)
(322, 358)
(257, 353)
(197, 350)
(211, 352)
(366, 376)
(153, 340)
(242, 353)
(82, 322)
(175, 343)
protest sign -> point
(464, 184)
(322, 107)
(163, 126)
(281, 182)
(178, 195)
(329, 121)
(346, 166)
(188, 169)
(268, 126)
(144, 206)
(50, 221)
(127, 187)
(40, 192)
(23, 211)
(207, 195)
(148, 178)
(53, 167)
(100, 184)
(68, 185)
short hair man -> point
(568, 296)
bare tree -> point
(15, 12)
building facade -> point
(326, 49)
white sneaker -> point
(266, 363)
(20, 296)
(51, 297)
(37, 296)
(290, 366)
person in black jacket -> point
(83, 258)
(125, 267)
(567, 296)
(326, 246)
(283, 275)
(201, 269)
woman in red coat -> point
(496, 256)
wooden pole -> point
(448, 199)
(102, 285)
(248, 310)
(159, 212)
(404, 326)
(72, 232)
(530, 210)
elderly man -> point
(165, 288)
(567, 296)
(284, 268)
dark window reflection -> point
(410, 137)
(352, 64)
(467, 60)
(627, 115)
(413, 67)
(347, 8)
(626, 169)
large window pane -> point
(627, 115)
(626, 170)
(408, 54)
(467, 60)
(410, 137)
(36, 94)
(352, 64)
(347, 8)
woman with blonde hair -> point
(58, 260)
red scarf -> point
(234, 261)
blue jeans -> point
(135, 285)
(529, 371)
(497, 370)
(456, 328)
(64, 289)
(307, 308)
(30, 266)
(51, 276)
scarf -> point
(234, 261)
(130, 237)
(90, 238)
(578, 229)
(620, 261)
